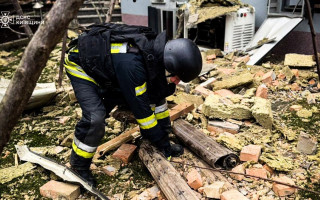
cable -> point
(266, 179)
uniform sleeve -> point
(132, 80)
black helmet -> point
(182, 58)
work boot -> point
(87, 175)
(174, 150)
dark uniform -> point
(96, 103)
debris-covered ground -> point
(273, 107)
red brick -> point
(275, 83)
(54, 190)
(226, 71)
(268, 77)
(262, 91)
(295, 87)
(244, 59)
(180, 109)
(233, 195)
(250, 153)
(194, 179)
(318, 85)
(211, 57)
(269, 169)
(260, 172)
(283, 190)
(224, 93)
(295, 72)
(281, 76)
(202, 91)
(312, 82)
(215, 130)
(259, 74)
(125, 152)
(295, 108)
(238, 169)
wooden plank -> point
(168, 179)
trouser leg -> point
(91, 128)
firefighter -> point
(178, 59)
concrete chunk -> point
(233, 81)
(299, 60)
(214, 190)
(307, 144)
(261, 111)
(213, 108)
(233, 195)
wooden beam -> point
(205, 147)
(168, 179)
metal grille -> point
(242, 35)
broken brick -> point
(262, 91)
(275, 83)
(199, 90)
(180, 110)
(283, 190)
(54, 190)
(224, 93)
(232, 195)
(125, 152)
(194, 179)
(259, 172)
(312, 82)
(211, 57)
(259, 74)
(295, 72)
(281, 76)
(250, 153)
(295, 87)
(215, 130)
(269, 169)
(243, 59)
(268, 77)
(238, 169)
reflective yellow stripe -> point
(119, 47)
(74, 50)
(81, 153)
(169, 158)
(147, 123)
(162, 114)
(141, 89)
(115, 50)
(75, 70)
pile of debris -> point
(267, 115)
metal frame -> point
(278, 4)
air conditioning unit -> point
(230, 32)
(239, 31)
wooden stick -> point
(168, 179)
(63, 52)
(110, 11)
(313, 34)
